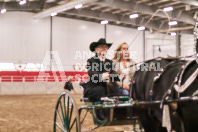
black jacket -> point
(95, 69)
(68, 86)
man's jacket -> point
(95, 70)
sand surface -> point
(35, 113)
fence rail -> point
(12, 76)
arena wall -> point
(25, 88)
(19, 83)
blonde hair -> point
(69, 78)
(117, 52)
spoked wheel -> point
(86, 120)
(66, 117)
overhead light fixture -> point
(54, 14)
(168, 9)
(173, 34)
(172, 23)
(133, 16)
(104, 22)
(141, 28)
(78, 6)
(22, 2)
(3, 11)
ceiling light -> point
(54, 14)
(168, 9)
(172, 23)
(104, 22)
(134, 16)
(141, 28)
(173, 34)
(78, 6)
(3, 11)
(22, 2)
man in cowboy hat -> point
(99, 71)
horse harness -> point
(181, 88)
(177, 83)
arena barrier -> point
(48, 82)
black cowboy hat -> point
(101, 41)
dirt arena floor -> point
(34, 113)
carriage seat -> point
(110, 95)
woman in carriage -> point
(124, 67)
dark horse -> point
(152, 85)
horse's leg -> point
(189, 116)
(148, 123)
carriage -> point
(69, 118)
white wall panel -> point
(164, 50)
(187, 45)
(20, 88)
(70, 36)
(35, 88)
(55, 87)
(1, 34)
(118, 35)
(11, 88)
(23, 38)
(167, 45)
(27, 40)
